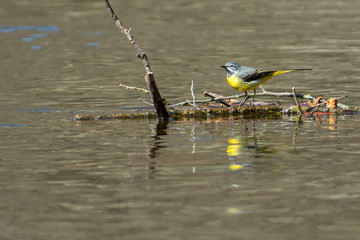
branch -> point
(193, 95)
(330, 103)
(149, 77)
(281, 94)
(134, 88)
(326, 102)
(226, 102)
(297, 102)
(127, 32)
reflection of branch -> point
(154, 144)
(159, 130)
(297, 125)
(149, 77)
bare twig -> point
(226, 102)
(312, 111)
(127, 32)
(276, 94)
(134, 88)
(178, 104)
(193, 95)
(192, 104)
(192, 91)
(146, 102)
(149, 77)
(301, 113)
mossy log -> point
(218, 111)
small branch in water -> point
(146, 102)
(193, 95)
(134, 88)
(301, 113)
(127, 32)
(229, 100)
(281, 94)
(149, 77)
(192, 104)
(226, 102)
(192, 91)
(333, 104)
(326, 102)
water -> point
(222, 178)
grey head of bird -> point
(231, 67)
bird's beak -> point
(223, 67)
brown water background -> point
(233, 178)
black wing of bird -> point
(258, 74)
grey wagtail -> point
(244, 78)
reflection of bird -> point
(240, 145)
(245, 78)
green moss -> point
(214, 112)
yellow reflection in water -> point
(234, 148)
(235, 210)
(240, 145)
(235, 167)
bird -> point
(245, 78)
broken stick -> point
(149, 77)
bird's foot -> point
(252, 108)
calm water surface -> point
(225, 178)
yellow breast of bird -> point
(241, 85)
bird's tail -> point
(290, 70)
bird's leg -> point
(246, 97)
